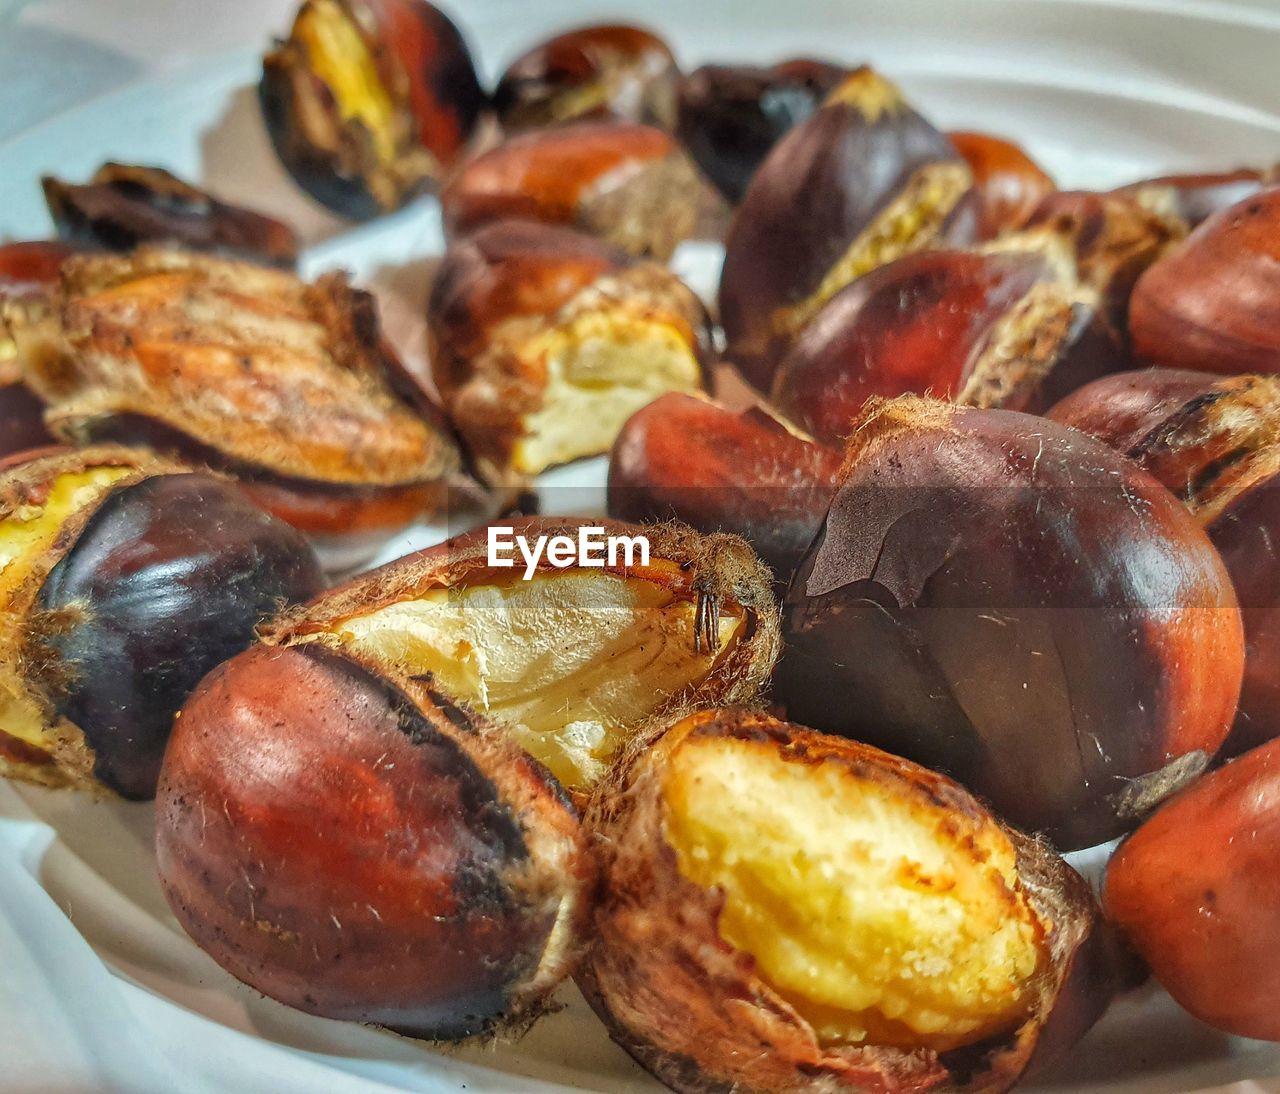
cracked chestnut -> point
(1193, 199)
(784, 911)
(126, 579)
(1010, 184)
(1014, 603)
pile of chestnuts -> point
(977, 567)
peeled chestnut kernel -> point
(574, 660)
(864, 181)
(731, 116)
(545, 341)
(359, 848)
(631, 185)
(287, 385)
(1010, 184)
(1213, 303)
(606, 70)
(369, 102)
(125, 579)
(1193, 199)
(1196, 890)
(1016, 604)
(1215, 442)
(1009, 327)
(788, 911)
(686, 458)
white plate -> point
(99, 988)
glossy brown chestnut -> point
(997, 328)
(544, 341)
(1018, 605)
(123, 206)
(772, 895)
(731, 116)
(608, 70)
(686, 458)
(1196, 890)
(862, 182)
(573, 660)
(1215, 442)
(250, 369)
(1010, 183)
(356, 846)
(123, 580)
(369, 102)
(1193, 199)
(1213, 303)
(631, 185)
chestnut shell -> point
(1010, 184)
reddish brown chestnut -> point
(731, 116)
(786, 911)
(862, 182)
(1193, 199)
(1197, 891)
(631, 185)
(1213, 303)
(1010, 183)
(368, 102)
(686, 458)
(123, 580)
(607, 70)
(360, 848)
(1215, 442)
(1020, 606)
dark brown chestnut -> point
(1193, 199)
(607, 70)
(686, 458)
(1018, 605)
(369, 102)
(544, 341)
(126, 579)
(787, 911)
(123, 206)
(1215, 442)
(631, 185)
(359, 848)
(1009, 182)
(731, 116)
(1213, 303)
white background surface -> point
(99, 990)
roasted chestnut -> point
(1193, 199)
(287, 385)
(1009, 327)
(731, 116)
(357, 847)
(631, 185)
(1010, 183)
(1196, 890)
(1018, 605)
(123, 580)
(574, 656)
(607, 70)
(369, 102)
(124, 206)
(1215, 442)
(686, 458)
(544, 341)
(862, 182)
(1213, 303)
(786, 911)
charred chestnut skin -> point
(731, 116)
(1010, 184)
(365, 854)
(607, 70)
(1211, 303)
(1016, 604)
(689, 459)
(863, 181)
(1195, 891)
(1193, 199)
